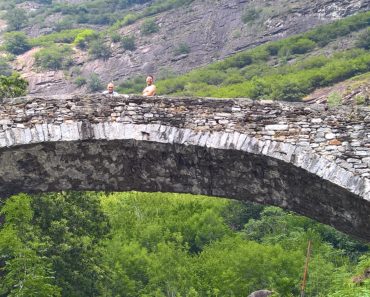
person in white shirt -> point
(110, 90)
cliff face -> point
(209, 30)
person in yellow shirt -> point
(150, 89)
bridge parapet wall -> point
(341, 135)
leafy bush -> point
(94, 83)
(250, 15)
(64, 24)
(302, 46)
(16, 19)
(128, 43)
(65, 36)
(5, 68)
(54, 57)
(12, 86)
(149, 26)
(334, 99)
(324, 34)
(363, 40)
(99, 50)
(133, 85)
(83, 37)
(115, 37)
(182, 48)
(16, 43)
(80, 81)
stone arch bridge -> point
(313, 161)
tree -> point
(27, 273)
(16, 19)
(16, 43)
(73, 224)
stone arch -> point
(152, 157)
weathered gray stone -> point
(229, 148)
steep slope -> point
(194, 35)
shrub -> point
(80, 81)
(84, 37)
(182, 48)
(94, 83)
(115, 37)
(302, 46)
(251, 15)
(16, 43)
(99, 50)
(334, 99)
(12, 86)
(128, 43)
(132, 86)
(363, 40)
(5, 67)
(65, 24)
(65, 36)
(240, 60)
(54, 57)
(149, 26)
(16, 19)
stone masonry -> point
(313, 161)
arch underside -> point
(122, 165)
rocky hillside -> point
(187, 37)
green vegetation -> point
(83, 38)
(250, 15)
(149, 26)
(99, 50)
(115, 37)
(334, 99)
(133, 85)
(12, 86)
(16, 19)
(182, 48)
(94, 83)
(80, 81)
(75, 36)
(156, 7)
(5, 68)
(16, 43)
(95, 12)
(128, 42)
(163, 245)
(54, 57)
(364, 40)
(263, 72)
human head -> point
(110, 87)
(149, 80)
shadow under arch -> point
(222, 166)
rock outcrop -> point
(211, 30)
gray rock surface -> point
(213, 30)
(267, 152)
